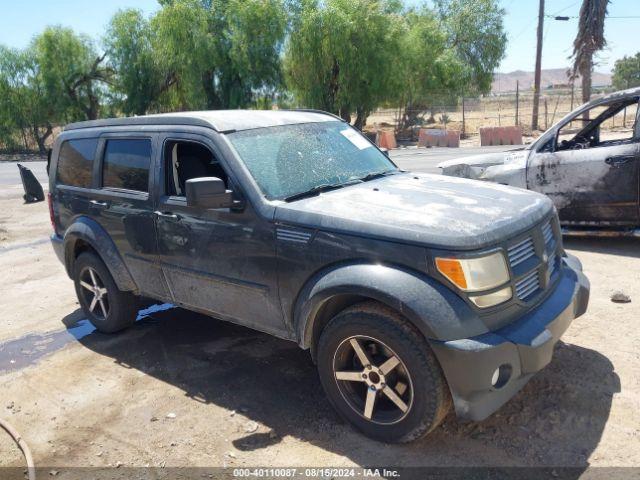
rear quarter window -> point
(75, 162)
(126, 164)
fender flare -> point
(90, 231)
(435, 310)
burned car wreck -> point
(592, 176)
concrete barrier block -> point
(386, 139)
(500, 136)
(432, 137)
(516, 135)
(422, 138)
(486, 136)
(453, 138)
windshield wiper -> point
(323, 187)
(374, 175)
(315, 191)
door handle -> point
(168, 215)
(98, 204)
(619, 160)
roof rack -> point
(142, 120)
(313, 110)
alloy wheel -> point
(373, 380)
(95, 293)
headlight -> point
(475, 274)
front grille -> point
(528, 285)
(549, 237)
(534, 276)
(547, 233)
(552, 262)
(521, 251)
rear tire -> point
(401, 395)
(107, 308)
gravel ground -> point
(182, 389)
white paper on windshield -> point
(355, 138)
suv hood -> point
(433, 210)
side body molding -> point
(436, 311)
(89, 231)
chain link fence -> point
(468, 114)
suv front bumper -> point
(514, 353)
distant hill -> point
(506, 82)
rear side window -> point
(126, 164)
(75, 162)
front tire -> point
(108, 308)
(380, 374)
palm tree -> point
(589, 40)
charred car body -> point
(593, 179)
(408, 289)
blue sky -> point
(22, 19)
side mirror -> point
(208, 192)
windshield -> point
(286, 160)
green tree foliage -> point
(345, 56)
(184, 49)
(352, 56)
(626, 72)
(139, 80)
(428, 71)
(27, 112)
(447, 52)
(57, 79)
(475, 34)
(249, 34)
(234, 50)
(341, 55)
(72, 72)
(10, 121)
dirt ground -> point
(181, 389)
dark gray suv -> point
(411, 291)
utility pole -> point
(536, 87)
(517, 102)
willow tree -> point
(26, 113)
(220, 53)
(342, 56)
(448, 51)
(590, 39)
(58, 78)
(184, 50)
(73, 73)
(428, 71)
(139, 79)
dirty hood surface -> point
(433, 210)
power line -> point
(565, 9)
(567, 17)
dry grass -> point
(501, 111)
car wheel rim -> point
(94, 293)
(373, 380)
